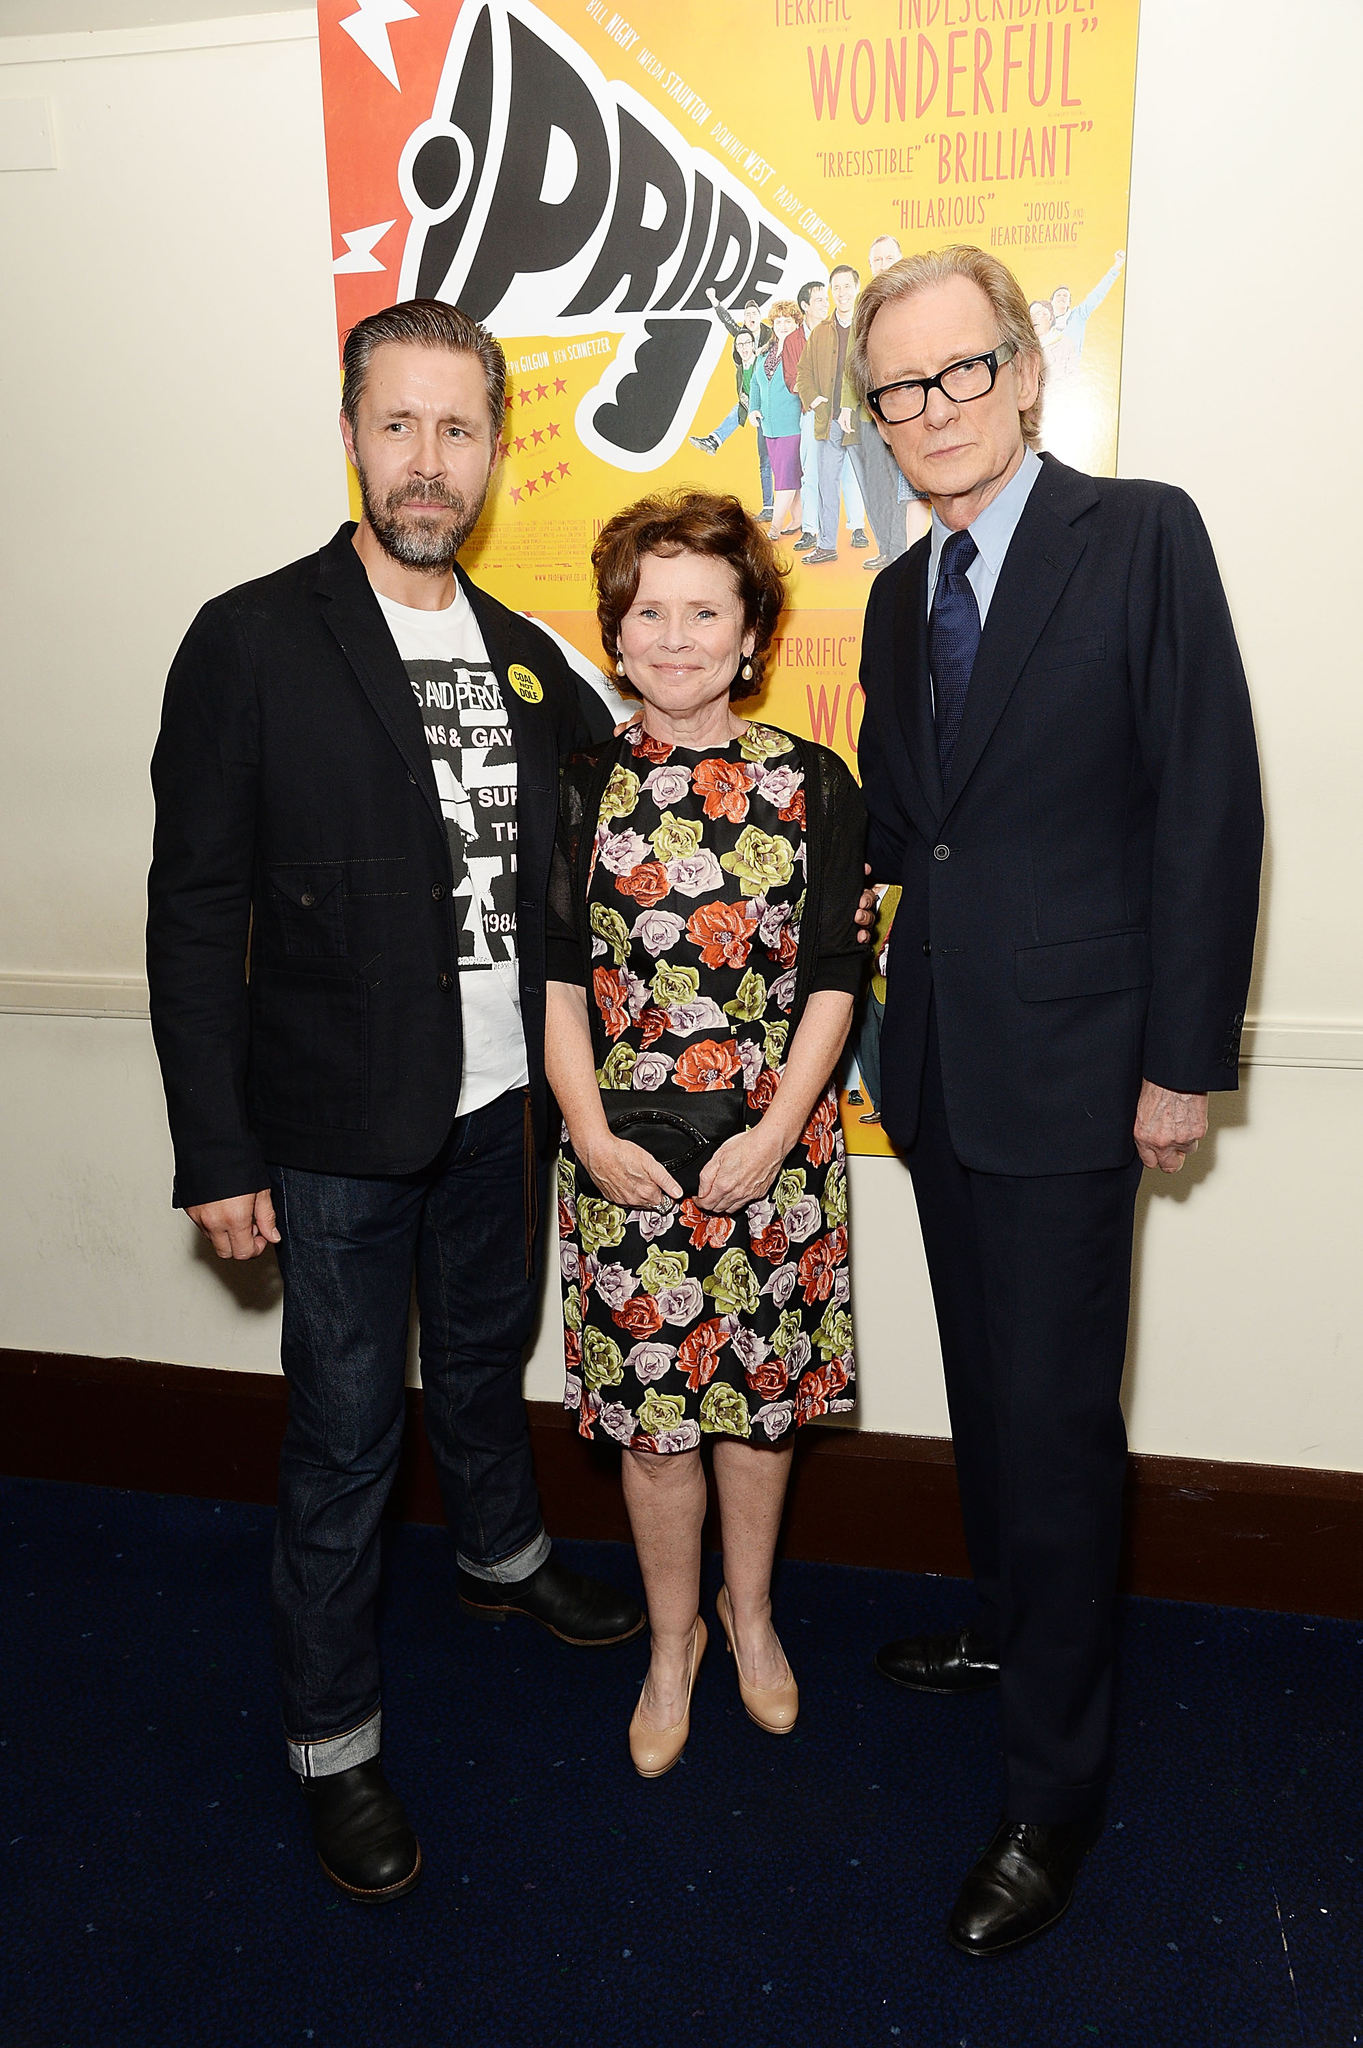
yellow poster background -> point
(1006, 123)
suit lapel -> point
(352, 613)
(1039, 563)
(912, 684)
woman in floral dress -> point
(703, 942)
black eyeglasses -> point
(960, 382)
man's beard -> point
(424, 544)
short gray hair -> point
(429, 323)
(919, 273)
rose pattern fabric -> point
(681, 1324)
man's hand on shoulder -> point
(1169, 1126)
(239, 1227)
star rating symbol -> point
(563, 469)
(519, 444)
(537, 435)
(524, 397)
(547, 476)
(541, 391)
(553, 430)
(516, 495)
(532, 486)
(560, 385)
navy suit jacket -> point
(1080, 899)
(297, 818)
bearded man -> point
(356, 785)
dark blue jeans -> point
(348, 1252)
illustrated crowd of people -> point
(793, 388)
(438, 959)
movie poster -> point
(645, 206)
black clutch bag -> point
(681, 1133)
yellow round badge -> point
(525, 683)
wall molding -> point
(1303, 1042)
(1279, 1537)
(74, 995)
(1268, 1041)
(75, 46)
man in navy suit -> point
(1058, 758)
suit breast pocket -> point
(308, 905)
(1071, 653)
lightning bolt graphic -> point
(368, 30)
(360, 245)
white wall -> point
(170, 392)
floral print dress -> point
(679, 1322)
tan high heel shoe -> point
(655, 1750)
(774, 1707)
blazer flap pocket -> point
(1065, 653)
(306, 886)
(1084, 967)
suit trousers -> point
(1031, 1280)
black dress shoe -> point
(364, 1840)
(584, 1612)
(1021, 1885)
(945, 1664)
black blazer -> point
(297, 818)
(1081, 898)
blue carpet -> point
(159, 1886)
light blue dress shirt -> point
(991, 532)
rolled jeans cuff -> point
(333, 1753)
(509, 1571)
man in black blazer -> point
(1059, 762)
(356, 788)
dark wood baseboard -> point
(1285, 1537)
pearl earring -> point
(619, 664)
(747, 671)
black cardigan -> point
(830, 955)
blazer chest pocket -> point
(309, 906)
(1084, 967)
(1070, 653)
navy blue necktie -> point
(953, 641)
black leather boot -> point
(364, 1840)
(584, 1612)
(1021, 1886)
(943, 1664)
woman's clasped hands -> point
(740, 1172)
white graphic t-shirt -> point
(473, 753)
